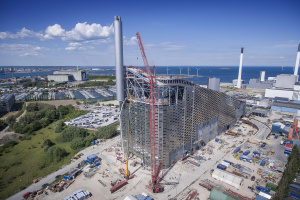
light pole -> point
(188, 71)
(180, 71)
(167, 71)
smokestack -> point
(239, 83)
(262, 75)
(119, 58)
(297, 61)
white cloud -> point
(131, 41)
(20, 34)
(84, 31)
(54, 31)
(81, 32)
(21, 49)
(78, 46)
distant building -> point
(286, 86)
(234, 82)
(60, 77)
(68, 75)
(6, 102)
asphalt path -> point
(263, 130)
(51, 177)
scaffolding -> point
(186, 116)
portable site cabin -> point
(91, 159)
(225, 163)
(228, 178)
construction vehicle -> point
(154, 185)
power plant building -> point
(187, 116)
(68, 75)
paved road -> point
(51, 177)
(263, 130)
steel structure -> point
(186, 116)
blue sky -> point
(174, 33)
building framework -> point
(187, 116)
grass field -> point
(26, 161)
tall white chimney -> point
(262, 75)
(119, 58)
(297, 61)
(239, 82)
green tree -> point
(56, 154)
(59, 127)
(77, 143)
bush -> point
(3, 125)
(88, 140)
(59, 127)
(8, 144)
(70, 133)
(106, 132)
(77, 143)
(56, 154)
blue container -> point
(217, 140)
(90, 159)
(262, 163)
(237, 150)
(246, 152)
(263, 189)
(227, 161)
(220, 166)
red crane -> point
(154, 186)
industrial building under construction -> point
(185, 116)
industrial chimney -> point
(119, 58)
(239, 82)
(262, 75)
(297, 61)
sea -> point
(225, 73)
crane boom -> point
(156, 187)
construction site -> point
(179, 140)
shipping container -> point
(246, 152)
(227, 161)
(262, 189)
(237, 150)
(262, 163)
(222, 167)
